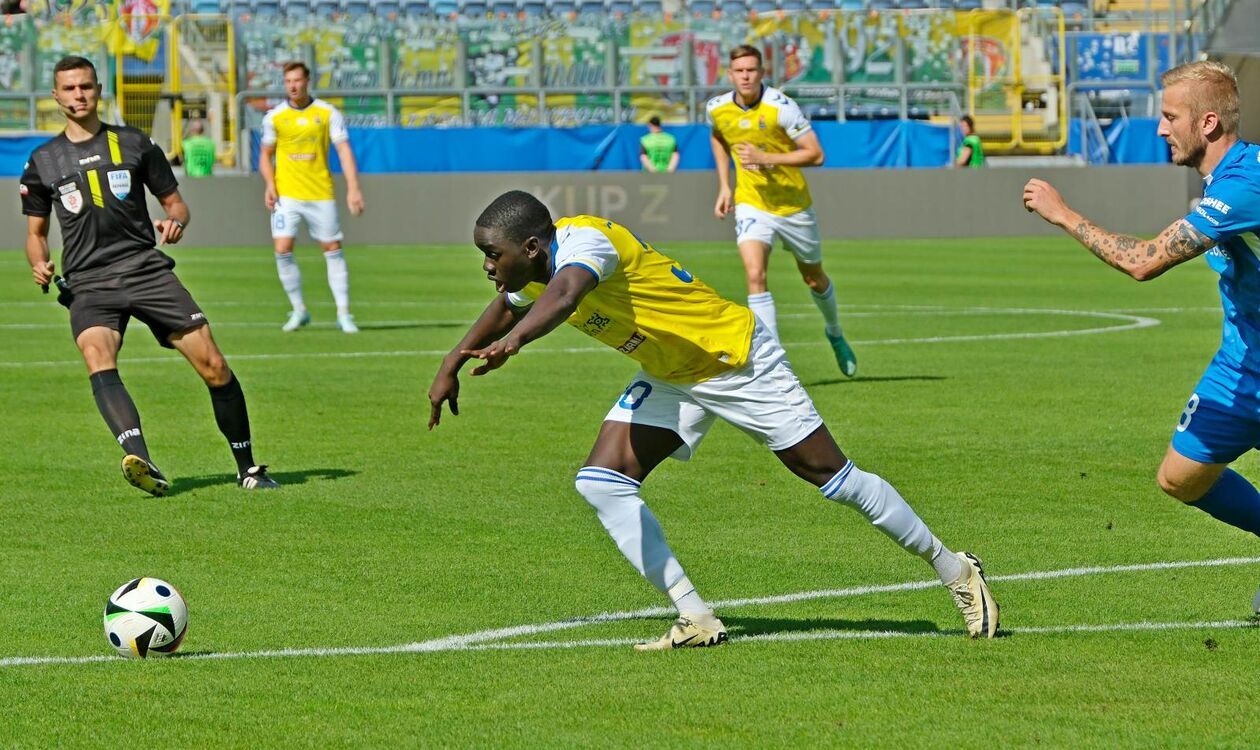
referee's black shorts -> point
(154, 296)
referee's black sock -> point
(119, 412)
(233, 419)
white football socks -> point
(638, 535)
(762, 306)
(291, 280)
(826, 303)
(884, 507)
(338, 279)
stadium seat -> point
(357, 8)
(1072, 8)
(561, 8)
(295, 9)
(590, 7)
(882, 4)
(850, 4)
(534, 8)
(702, 7)
(913, 4)
(621, 7)
(793, 5)
(968, 4)
(388, 9)
(731, 8)
(654, 8)
(504, 8)
(266, 8)
(208, 6)
(445, 8)
(763, 6)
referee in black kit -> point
(94, 175)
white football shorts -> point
(320, 217)
(763, 398)
(798, 231)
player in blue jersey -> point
(1221, 421)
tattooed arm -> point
(1139, 258)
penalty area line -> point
(485, 640)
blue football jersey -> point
(1229, 214)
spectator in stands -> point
(658, 150)
(198, 151)
(971, 152)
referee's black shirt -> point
(97, 189)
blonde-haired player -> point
(770, 140)
(297, 134)
(703, 358)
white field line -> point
(1129, 322)
(486, 639)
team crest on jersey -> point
(23, 190)
(761, 122)
(745, 124)
(120, 183)
(73, 201)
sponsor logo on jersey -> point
(73, 200)
(120, 183)
(302, 157)
(745, 124)
(595, 324)
(89, 159)
(632, 343)
(1216, 203)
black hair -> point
(971, 123)
(519, 216)
(654, 120)
(74, 62)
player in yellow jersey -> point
(770, 140)
(703, 358)
(297, 134)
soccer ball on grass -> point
(145, 617)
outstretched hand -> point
(445, 388)
(493, 356)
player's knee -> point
(1177, 486)
(608, 492)
(214, 370)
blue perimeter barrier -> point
(854, 144)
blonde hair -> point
(1213, 88)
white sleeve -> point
(588, 248)
(337, 132)
(269, 128)
(792, 119)
(517, 300)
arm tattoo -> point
(1178, 243)
(1185, 241)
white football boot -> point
(689, 631)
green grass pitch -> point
(986, 394)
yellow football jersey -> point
(773, 125)
(646, 305)
(302, 137)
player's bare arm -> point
(267, 168)
(37, 249)
(496, 320)
(808, 153)
(964, 157)
(350, 168)
(171, 229)
(1139, 258)
(722, 156)
(553, 307)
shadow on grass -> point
(285, 478)
(860, 380)
(748, 626)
